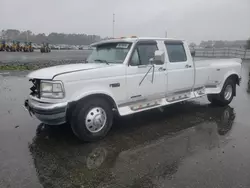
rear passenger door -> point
(180, 70)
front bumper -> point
(48, 113)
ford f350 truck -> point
(126, 76)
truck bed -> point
(211, 71)
(219, 62)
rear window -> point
(176, 52)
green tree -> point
(219, 44)
(192, 45)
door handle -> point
(188, 66)
(161, 69)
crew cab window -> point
(176, 52)
(143, 53)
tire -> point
(211, 98)
(92, 119)
(226, 95)
(226, 121)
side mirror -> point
(193, 53)
(151, 60)
(159, 58)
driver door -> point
(145, 81)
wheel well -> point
(109, 99)
(73, 104)
(235, 77)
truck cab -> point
(126, 76)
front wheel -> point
(226, 95)
(92, 119)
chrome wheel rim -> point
(228, 92)
(95, 119)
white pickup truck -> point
(126, 76)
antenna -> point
(113, 25)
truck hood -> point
(50, 72)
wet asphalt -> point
(37, 56)
(188, 145)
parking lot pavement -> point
(36, 56)
(192, 144)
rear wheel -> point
(225, 96)
(91, 120)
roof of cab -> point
(132, 39)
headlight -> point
(46, 87)
(53, 89)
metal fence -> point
(222, 52)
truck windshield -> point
(110, 53)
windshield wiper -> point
(102, 61)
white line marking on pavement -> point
(3, 73)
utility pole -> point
(166, 34)
(113, 25)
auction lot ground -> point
(9, 57)
(191, 145)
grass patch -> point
(18, 67)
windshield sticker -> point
(122, 45)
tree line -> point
(223, 44)
(52, 38)
(248, 44)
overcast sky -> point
(193, 20)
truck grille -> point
(35, 89)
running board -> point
(143, 105)
(180, 96)
(199, 92)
